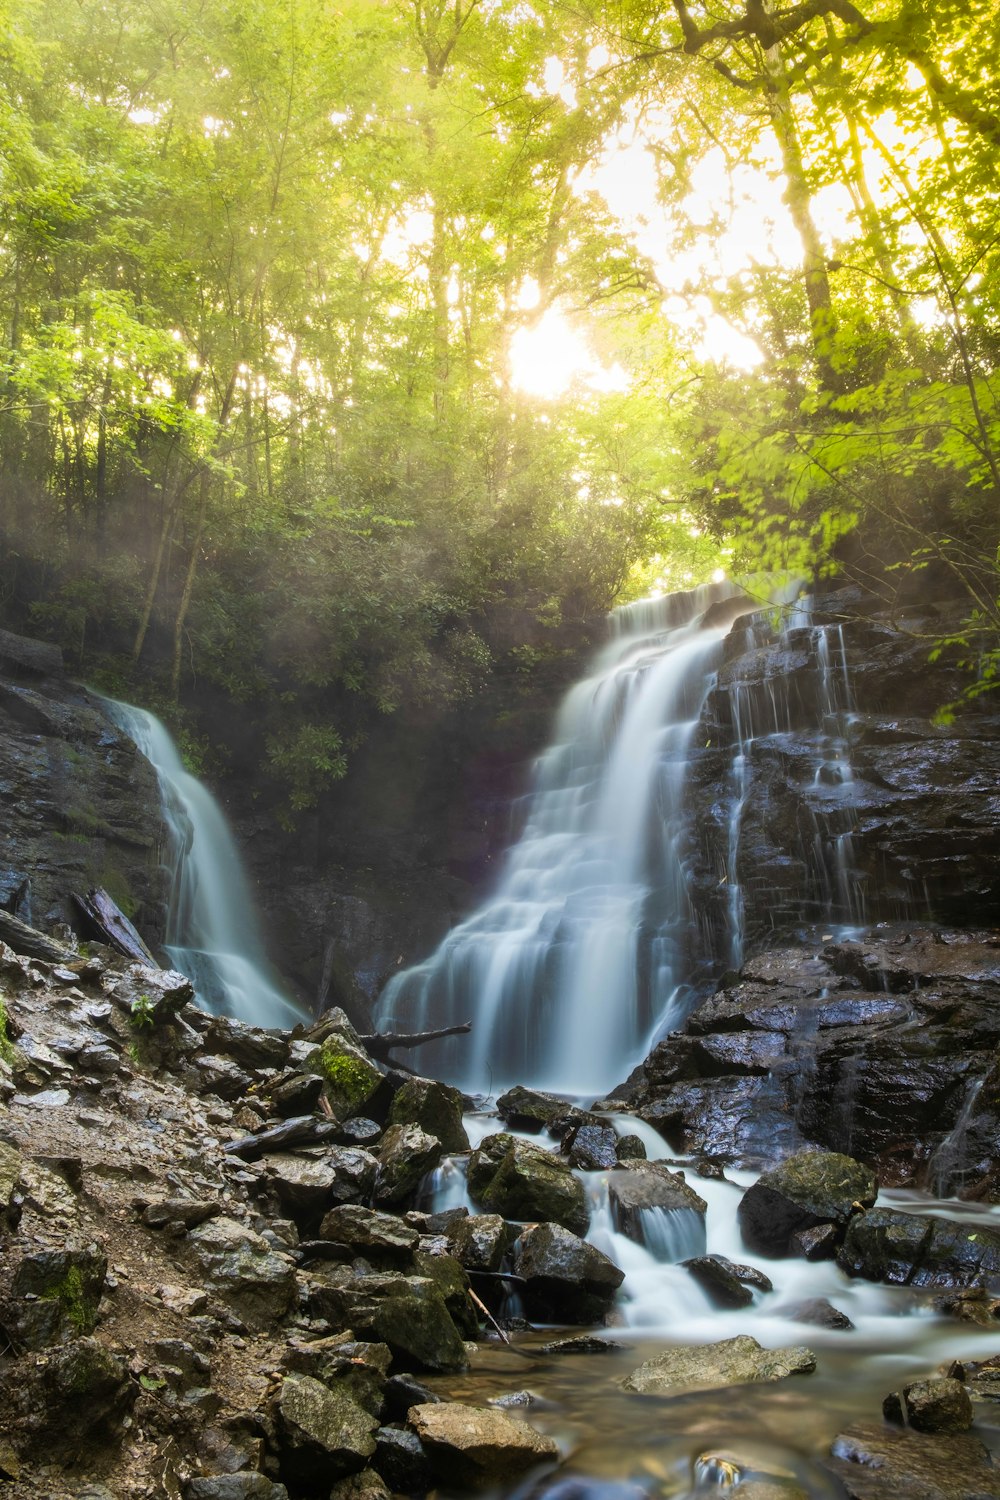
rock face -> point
(737, 1361)
(81, 805)
(885, 1046)
(921, 810)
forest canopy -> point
(350, 353)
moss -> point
(118, 888)
(7, 1051)
(72, 1296)
(349, 1075)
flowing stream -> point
(212, 927)
(585, 953)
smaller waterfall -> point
(212, 927)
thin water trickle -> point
(212, 928)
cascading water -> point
(212, 935)
(586, 945)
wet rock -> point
(941, 1405)
(403, 1391)
(478, 1446)
(405, 1155)
(451, 1281)
(241, 1268)
(631, 1148)
(406, 1312)
(816, 1311)
(55, 1295)
(736, 1361)
(971, 1305)
(401, 1461)
(479, 1242)
(918, 1250)
(719, 1279)
(594, 1148)
(811, 1189)
(436, 1108)
(366, 1232)
(297, 1094)
(234, 1487)
(320, 1431)
(874, 1462)
(528, 1109)
(583, 1343)
(565, 1279)
(818, 1243)
(645, 1185)
(518, 1180)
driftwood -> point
(303, 1130)
(380, 1043)
(113, 926)
(32, 943)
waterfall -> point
(212, 926)
(585, 950)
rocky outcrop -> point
(886, 1046)
(518, 1180)
(814, 1190)
(81, 805)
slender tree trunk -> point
(188, 589)
(822, 319)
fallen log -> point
(380, 1043)
(302, 1130)
(32, 943)
(113, 927)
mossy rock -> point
(519, 1180)
(436, 1108)
(351, 1079)
(55, 1295)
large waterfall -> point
(591, 945)
(586, 945)
(212, 928)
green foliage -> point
(141, 1013)
(7, 1049)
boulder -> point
(436, 1108)
(721, 1280)
(736, 1361)
(529, 1109)
(809, 1190)
(475, 1447)
(406, 1312)
(401, 1460)
(241, 1268)
(919, 1250)
(875, 1462)
(479, 1242)
(518, 1180)
(352, 1079)
(816, 1311)
(405, 1155)
(364, 1231)
(354, 1173)
(234, 1487)
(941, 1405)
(85, 1396)
(594, 1148)
(55, 1295)
(368, 1485)
(303, 1185)
(321, 1432)
(656, 1207)
(565, 1279)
